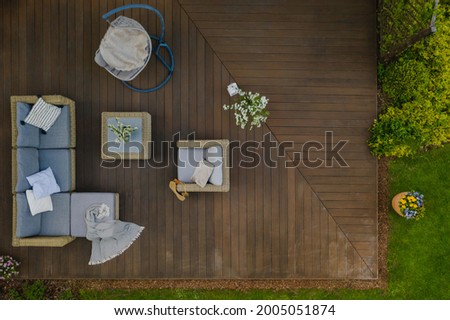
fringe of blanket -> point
(119, 253)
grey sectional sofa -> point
(33, 151)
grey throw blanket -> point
(109, 238)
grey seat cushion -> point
(80, 202)
(57, 222)
(27, 135)
(27, 164)
(58, 136)
(27, 225)
(188, 159)
(60, 162)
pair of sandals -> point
(173, 186)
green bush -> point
(418, 87)
(34, 290)
(13, 294)
(435, 53)
(405, 80)
(404, 131)
(66, 295)
(400, 19)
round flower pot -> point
(395, 203)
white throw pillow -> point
(202, 173)
(38, 205)
(43, 115)
(214, 156)
(43, 183)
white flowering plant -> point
(8, 267)
(250, 109)
(122, 131)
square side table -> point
(138, 147)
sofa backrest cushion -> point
(58, 136)
(27, 225)
(27, 164)
(188, 159)
(27, 135)
(214, 156)
(57, 222)
(61, 163)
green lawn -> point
(419, 262)
(418, 254)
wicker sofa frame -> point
(40, 241)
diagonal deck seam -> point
(268, 127)
(323, 204)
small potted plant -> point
(409, 205)
(123, 132)
(250, 109)
(8, 267)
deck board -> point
(275, 222)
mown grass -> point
(418, 253)
(179, 294)
(419, 262)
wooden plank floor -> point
(314, 60)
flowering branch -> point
(8, 267)
(250, 108)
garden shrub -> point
(401, 19)
(404, 131)
(66, 295)
(405, 80)
(34, 290)
(435, 52)
(14, 294)
(418, 85)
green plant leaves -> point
(418, 89)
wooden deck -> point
(316, 62)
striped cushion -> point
(43, 115)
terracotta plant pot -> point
(395, 203)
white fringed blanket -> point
(109, 238)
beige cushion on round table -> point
(124, 49)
